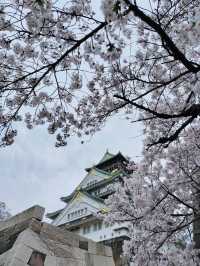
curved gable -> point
(94, 176)
(81, 205)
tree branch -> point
(177, 54)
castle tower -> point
(87, 201)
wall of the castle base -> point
(26, 240)
(28, 243)
(117, 251)
(90, 260)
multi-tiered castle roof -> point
(88, 199)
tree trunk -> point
(196, 223)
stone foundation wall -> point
(25, 240)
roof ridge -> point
(106, 156)
(82, 191)
(100, 170)
(50, 214)
(92, 196)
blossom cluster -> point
(4, 214)
(71, 65)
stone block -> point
(5, 258)
(96, 260)
(36, 212)
(16, 262)
(35, 225)
(25, 238)
(109, 261)
(91, 247)
(100, 249)
(50, 261)
(22, 252)
(9, 235)
(33, 241)
(69, 262)
(59, 249)
(89, 259)
(108, 251)
(79, 253)
(60, 235)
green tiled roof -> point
(112, 176)
(93, 174)
(107, 156)
(98, 172)
(53, 215)
(92, 196)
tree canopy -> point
(72, 64)
(4, 213)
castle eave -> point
(53, 215)
(75, 223)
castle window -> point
(95, 227)
(99, 226)
(86, 229)
(106, 225)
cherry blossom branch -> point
(177, 198)
(177, 54)
(193, 111)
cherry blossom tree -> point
(64, 66)
(70, 66)
(160, 202)
(4, 214)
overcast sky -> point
(33, 171)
